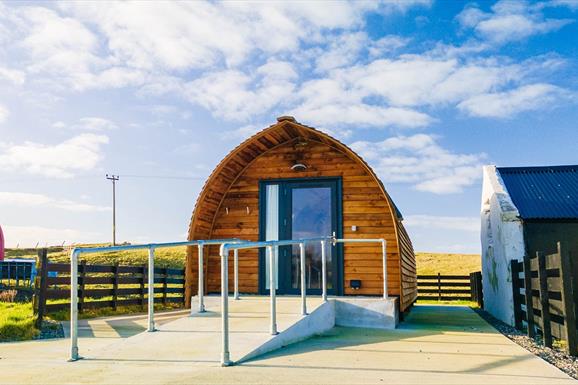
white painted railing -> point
(271, 247)
(151, 276)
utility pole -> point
(113, 179)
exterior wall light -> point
(299, 167)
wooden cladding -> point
(228, 207)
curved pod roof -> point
(286, 130)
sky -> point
(427, 92)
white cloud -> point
(509, 103)
(235, 95)
(471, 224)
(95, 124)
(41, 200)
(421, 161)
(361, 115)
(62, 160)
(15, 77)
(88, 124)
(30, 236)
(509, 21)
(242, 132)
(3, 113)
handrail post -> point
(201, 281)
(74, 305)
(273, 289)
(225, 356)
(236, 268)
(151, 290)
(302, 271)
(384, 256)
(324, 269)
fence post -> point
(567, 299)
(41, 290)
(164, 272)
(515, 269)
(528, 290)
(473, 297)
(114, 285)
(479, 289)
(142, 284)
(81, 275)
(439, 287)
(544, 300)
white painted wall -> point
(502, 241)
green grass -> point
(456, 302)
(16, 322)
(64, 315)
(174, 257)
(452, 264)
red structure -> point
(1, 245)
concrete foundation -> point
(375, 313)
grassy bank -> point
(16, 322)
(454, 264)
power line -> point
(163, 177)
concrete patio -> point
(434, 345)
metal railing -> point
(151, 279)
(271, 247)
(226, 246)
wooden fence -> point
(103, 286)
(450, 287)
(546, 297)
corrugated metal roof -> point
(543, 192)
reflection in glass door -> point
(310, 218)
(293, 209)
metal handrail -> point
(151, 248)
(226, 246)
(270, 245)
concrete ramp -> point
(197, 338)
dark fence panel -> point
(450, 287)
(545, 294)
(103, 286)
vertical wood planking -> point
(439, 287)
(515, 270)
(41, 293)
(568, 299)
(528, 296)
(143, 279)
(545, 321)
(164, 273)
(82, 284)
(115, 285)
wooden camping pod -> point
(228, 207)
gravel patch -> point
(50, 329)
(554, 356)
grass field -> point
(172, 257)
(455, 264)
(427, 263)
(16, 322)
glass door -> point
(295, 209)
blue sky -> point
(426, 91)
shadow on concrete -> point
(425, 325)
